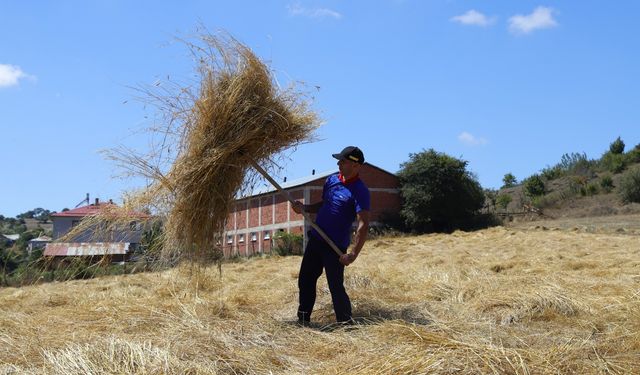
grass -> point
(503, 301)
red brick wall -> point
(383, 202)
(315, 196)
(297, 230)
(281, 209)
(254, 213)
(297, 195)
(229, 224)
(374, 177)
(241, 215)
(267, 212)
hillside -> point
(502, 300)
(570, 205)
(576, 188)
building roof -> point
(290, 184)
(12, 237)
(94, 209)
(41, 239)
(301, 181)
(85, 248)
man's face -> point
(348, 168)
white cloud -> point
(473, 17)
(471, 140)
(10, 75)
(541, 18)
(298, 10)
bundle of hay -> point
(234, 116)
(239, 118)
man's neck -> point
(348, 180)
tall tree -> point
(439, 194)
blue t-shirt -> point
(340, 204)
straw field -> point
(502, 300)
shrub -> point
(543, 201)
(630, 186)
(606, 183)
(616, 147)
(551, 173)
(576, 164)
(633, 156)
(503, 200)
(577, 183)
(439, 193)
(614, 163)
(288, 243)
(509, 180)
(534, 186)
(591, 189)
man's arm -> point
(308, 208)
(361, 238)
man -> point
(344, 198)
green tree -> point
(438, 193)
(534, 186)
(617, 146)
(509, 180)
(37, 213)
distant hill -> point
(37, 224)
(576, 187)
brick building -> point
(254, 219)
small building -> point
(117, 242)
(9, 239)
(256, 218)
(38, 243)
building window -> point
(74, 223)
(254, 236)
(229, 239)
(241, 238)
(133, 225)
(267, 235)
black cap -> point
(350, 153)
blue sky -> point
(508, 86)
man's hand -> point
(297, 207)
(347, 259)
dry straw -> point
(239, 117)
(497, 301)
(211, 133)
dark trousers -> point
(318, 255)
